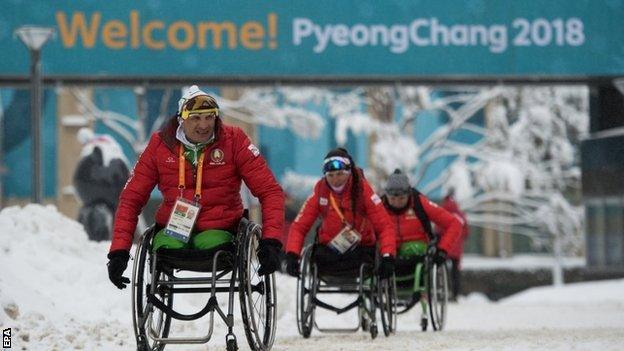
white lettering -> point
(359, 35)
(430, 32)
(340, 36)
(498, 39)
(418, 40)
(322, 38)
(302, 27)
(399, 38)
(439, 31)
(381, 32)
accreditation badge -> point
(182, 220)
(345, 240)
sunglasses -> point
(335, 165)
(213, 112)
(199, 105)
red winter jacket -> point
(221, 204)
(451, 206)
(371, 217)
(409, 228)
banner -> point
(320, 38)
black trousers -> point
(331, 262)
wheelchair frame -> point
(153, 289)
(432, 295)
(372, 293)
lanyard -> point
(335, 206)
(342, 217)
(181, 170)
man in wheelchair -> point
(351, 214)
(198, 164)
(412, 213)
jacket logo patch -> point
(254, 150)
(170, 160)
(216, 157)
(323, 201)
(375, 198)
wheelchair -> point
(231, 268)
(372, 294)
(420, 281)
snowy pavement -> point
(55, 295)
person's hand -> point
(117, 263)
(292, 264)
(386, 267)
(268, 255)
(439, 256)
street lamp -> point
(34, 37)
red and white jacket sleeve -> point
(381, 221)
(308, 213)
(449, 225)
(254, 170)
(134, 196)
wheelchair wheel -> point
(257, 294)
(145, 316)
(305, 286)
(437, 292)
(387, 305)
(367, 308)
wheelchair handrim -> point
(139, 273)
(305, 313)
(267, 313)
(438, 296)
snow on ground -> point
(55, 295)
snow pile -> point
(54, 284)
(55, 295)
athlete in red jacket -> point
(197, 159)
(343, 200)
(411, 233)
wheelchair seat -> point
(344, 276)
(195, 260)
(404, 266)
(333, 267)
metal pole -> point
(35, 106)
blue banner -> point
(320, 38)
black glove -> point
(118, 261)
(439, 256)
(268, 255)
(292, 264)
(386, 267)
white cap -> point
(188, 94)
